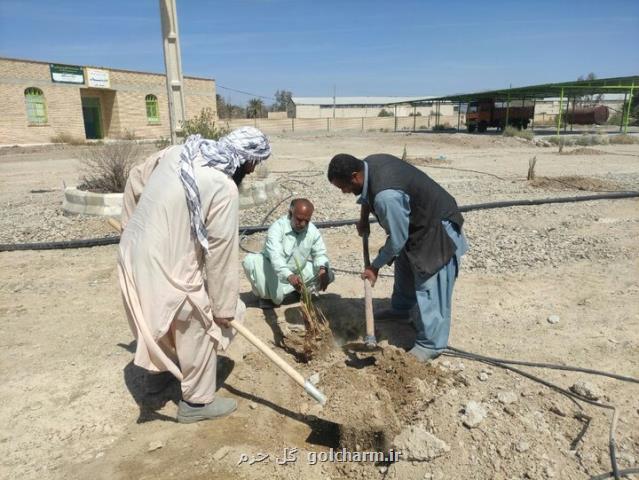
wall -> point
(123, 106)
(326, 111)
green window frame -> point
(36, 106)
(152, 109)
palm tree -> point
(255, 108)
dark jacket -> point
(428, 246)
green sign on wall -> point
(66, 73)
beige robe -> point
(161, 267)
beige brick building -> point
(41, 101)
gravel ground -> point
(553, 283)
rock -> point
(588, 390)
(417, 444)
(507, 397)
(553, 319)
(557, 410)
(314, 379)
(483, 376)
(626, 458)
(252, 406)
(549, 472)
(474, 414)
(522, 446)
(155, 445)
(221, 453)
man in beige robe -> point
(178, 261)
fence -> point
(362, 124)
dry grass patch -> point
(574, 182)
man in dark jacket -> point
(424, 238)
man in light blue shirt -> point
(424, 239)
(294, 254)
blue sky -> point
(363, 47)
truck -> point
(487, 113)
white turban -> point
(246, 144)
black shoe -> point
(266, 304)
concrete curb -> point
(89, 203)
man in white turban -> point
(178, 262)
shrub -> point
(562, 141)
(105, 169)
(511, 131)
(204, 124)
(384, 113)
(623, 139)
(162, 142)
(438, 128)
(128, 134)
(64, 137)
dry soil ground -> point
(73, 404)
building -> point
(43, 101)
(355, 107)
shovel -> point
(311, 389)
(369, 340)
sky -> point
(359, 47)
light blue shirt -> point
(392, 208)
(289, 251)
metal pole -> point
(414, 117)
(334, 89)
(292, 124)
(507, 109)
(327, 124)
(626, 107)
(173, 67)
(362, 124)
(572, 120)
(561, 107)
(395, 115)
(632, 88)
(458, 115)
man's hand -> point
(296, 281)
(323, 279)
(370, 273)
(223, 322)
(363, 227)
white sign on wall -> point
(98, 78)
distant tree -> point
(255, 108)
(204, 124)
(226, 110)
(588, 99)
(384, 113)
(284, 103)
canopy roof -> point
(548, 90)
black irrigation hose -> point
(250, 229)
(604, 476)
(455, 352)
(549, 365)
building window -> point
(152, 110)
(36, 107)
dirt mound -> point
(574, 182)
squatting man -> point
(425, 241)
(177, 262)
(294, 254)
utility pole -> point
(173, 67)
(334, 88)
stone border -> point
(89, 203)
(110, 204)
